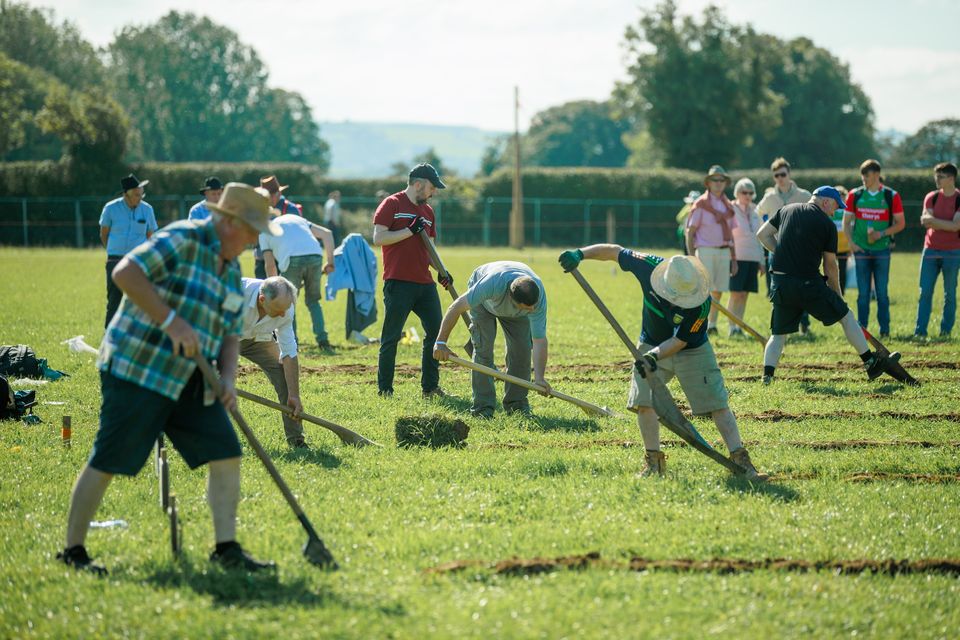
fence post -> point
(23, 211)
(586, 223)
(436, 218)
(636, 223)
(486, 222)
(536, 222)
(78, 220)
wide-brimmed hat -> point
(212, 183)
(249, 204)
(131, 182)
(682, 281)
(716, 170)
(271, 184)
(691, 197)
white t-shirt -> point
(297, 240)
(261, 329)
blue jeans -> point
(933, 262)
(873, 265)
(305, 273)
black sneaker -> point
(234, 557)
(878, 364)
(299, 443)
(326, 347)
(78, 558)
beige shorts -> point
(699, 376)
(717, 262)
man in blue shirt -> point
(212, 190)
(125, 223)
(673, 341)
(513, 295)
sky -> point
(457, 62)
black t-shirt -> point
(804, 234)
(662, 320)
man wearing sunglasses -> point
(785, 191)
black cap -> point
(427, 172)
(131, 182)
(212, 182)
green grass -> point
(558, 484)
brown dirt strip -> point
(533, 566)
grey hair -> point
(744, 184)
(273, 288)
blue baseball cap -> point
(829, 192)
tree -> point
(194, 91)
(698, 91)
(576, 134)
(430, 157)
(30, 36)
(935, 142)
(91, 125)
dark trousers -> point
(399, 299)
(259, 269)
(114, 294)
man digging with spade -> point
(182, 297)
(673, 341)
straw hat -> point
(682, 281)
(250, 205)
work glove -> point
(417, 225)
(446, 281)
(569, 260)
(650, 360)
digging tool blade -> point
(896, 369)
(664, 405)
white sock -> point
(854, 333)
(773, 350)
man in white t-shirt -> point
(331, 216)
(296, 256)
(269, 342)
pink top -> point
(945, 209)
(708, 231)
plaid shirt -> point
(181, 261)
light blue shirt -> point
(489, 286)
(128, 228)
(199, 211)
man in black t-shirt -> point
(673, 341)
(801, 236)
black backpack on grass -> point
(15, 405)
(19, 361)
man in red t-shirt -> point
(407, 283)
(941, 249)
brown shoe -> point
(655, 464)
(742, 458)
(436, 392)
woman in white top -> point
(749, 252)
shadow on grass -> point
(778, 492)
(319, 456)
(544, 423)
(826, 390)
(254, 590)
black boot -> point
(230, 555)
(78, 558)
(878, 364)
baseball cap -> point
(427, 172)
(829, 192)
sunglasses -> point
(748, 193)
(942, 176)
(718, 179)
(780, 175)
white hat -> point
(249, 204)
(682, 281)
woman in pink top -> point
(710, 236)
(750, 260)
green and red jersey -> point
(871, 211)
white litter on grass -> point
(28, 382)
(109, 524)
(77, 345)
(359, 338)
(54, 403)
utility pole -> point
(516, 212)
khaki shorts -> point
(717, 262)
(699, 376)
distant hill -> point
(368, 149)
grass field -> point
(556, 485)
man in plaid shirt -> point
(182, 296)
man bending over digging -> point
(673, 341)
(182, 297)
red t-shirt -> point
(945, 209)
(408, 259)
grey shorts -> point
(699, 376)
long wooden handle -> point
(346, 435)
(737, 321)
(587, 407)
(441, 270)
